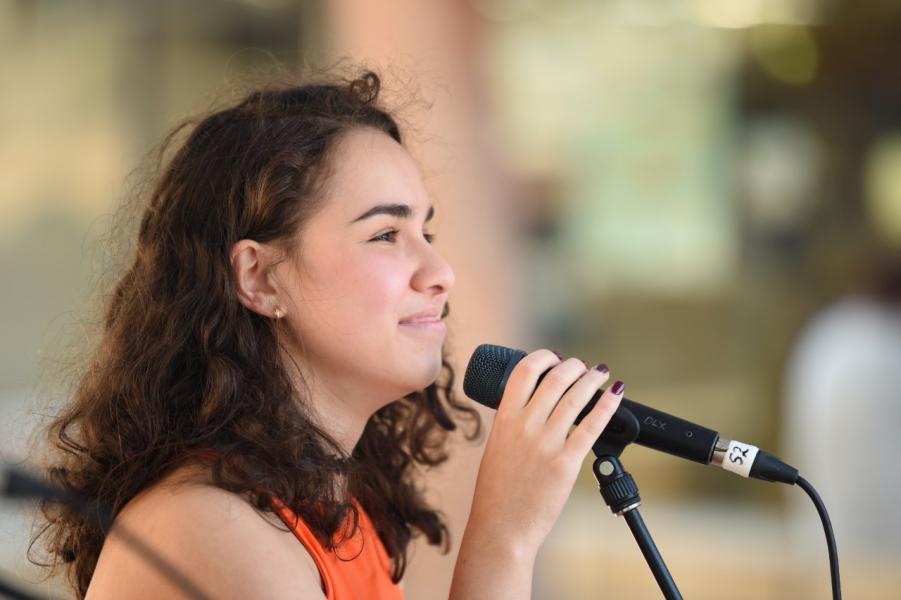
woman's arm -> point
(528, 470)
(491, 568)
(216, 539)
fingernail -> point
(618, 387)
(584, 363)
(558, 354)
(602, 368)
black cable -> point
(161, 564)
(830, 536)
(14, 593)
(23, 485)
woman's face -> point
(360, 271)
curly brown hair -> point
(181, 366)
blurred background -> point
(704, 194)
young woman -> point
(271, 371)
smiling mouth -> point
(421, 320)
(430, 325)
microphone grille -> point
(485, 373)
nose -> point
(434, 274)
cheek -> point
(371, 289)
(383, 285)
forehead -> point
(369, 167)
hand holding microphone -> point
(531, 460)
(490, 368)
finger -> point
(523, 379)
(589, 430)
(575, 399)
(552, 388)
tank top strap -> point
(306, 537)
(359, 566)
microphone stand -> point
(620, 492)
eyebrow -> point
(401, 211)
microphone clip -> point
(617, 486)
(622, 430)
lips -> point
(427, 316)
(413, 321)
(431, 326)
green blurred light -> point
(787, 53)
(882, 182)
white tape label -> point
(739, 458)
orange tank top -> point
(358, 568)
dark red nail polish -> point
(602, 368)
(618, 387)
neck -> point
(338, 418)
(339, 412)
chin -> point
(425, 375)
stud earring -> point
(278, 314)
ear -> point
(251, 263)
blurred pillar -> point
(436, 47)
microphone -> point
(490, 367)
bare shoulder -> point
(216, 538)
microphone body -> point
(662, 431)
(490, 367)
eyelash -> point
(429, 237)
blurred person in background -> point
(843, 413)
(271, 372)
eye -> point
(429, 237)
(382, 237)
